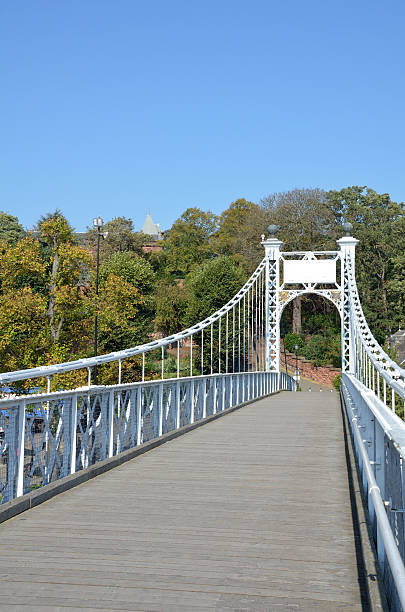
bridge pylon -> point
(292, 274)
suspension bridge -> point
(225, 489)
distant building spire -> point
(151, 229)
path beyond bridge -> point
(252, 511)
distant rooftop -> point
(151, 229)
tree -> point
(125, 303)
(239, 233)
(209, 287)
(187, 243)
(120, 237)
(66, 286)
(379, 225)
(10, 228)
(304, 217)
(170, 304)
(306, 223)
(21, 265)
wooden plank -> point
(250, 512)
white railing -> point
(48, 436)
(379, 441)
(374, 397)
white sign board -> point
(309, 271)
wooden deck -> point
(249, 512)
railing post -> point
(139, 416)
(20, 449)
(191, 394)
(214, 408)
(160, 425)
(73, 439)
(204, 390)
(178, 404)
(111, 423)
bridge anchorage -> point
(233, 359)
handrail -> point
(389, 543)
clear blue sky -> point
(117, 107)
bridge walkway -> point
(250, 512)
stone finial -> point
(347, 228)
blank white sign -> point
(310, 271)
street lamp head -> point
(273, 229)
(296, 348)
(347, 228)
(98, 222)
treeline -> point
(47, 276)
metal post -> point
(272, 248)
(347, 246)
(98, 222)
(111, 423)
(73, 441)
(20, 449)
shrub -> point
(290, 340)
(336, 382)
(323, 350)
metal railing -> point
(48, 436)
(379, 441)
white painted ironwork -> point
(84, 426)
(234, 356)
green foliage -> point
(170, 305)
(290, 340)
(131, 268)
(379, 225)
(336, 382)
(10, 228)
(320, 322)
(125, 303)
(239, 233)
(210, 286)
(119, 236)
(187, 243)
(323, 350)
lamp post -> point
(97, 223)
(297, 374)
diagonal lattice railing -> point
(373, 390)
(47, 436)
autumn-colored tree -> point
(67, 286)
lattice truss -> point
(273, 315)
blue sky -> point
(119, 107)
